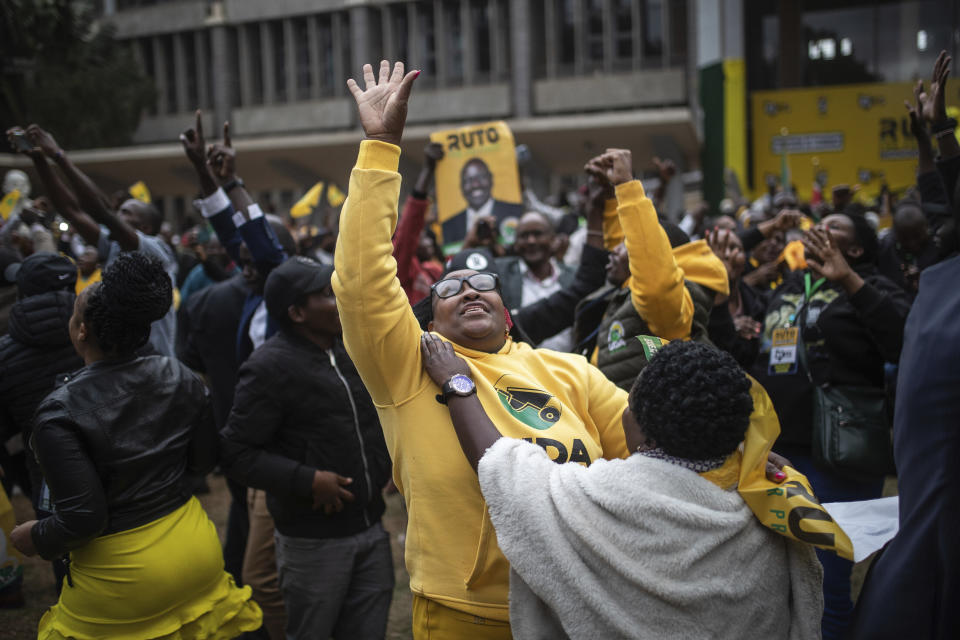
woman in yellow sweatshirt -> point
(458, 575)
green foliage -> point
(67, 73)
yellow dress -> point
(162, 580)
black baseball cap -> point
(476, 259)
(42, 272)
(293, 279)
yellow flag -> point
(139, 191)
(308, 202)
(794, 255)
(790, 508)
(334, 196)
(8, 203)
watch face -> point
(461, 384)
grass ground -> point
(21, 624)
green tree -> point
(64, 70)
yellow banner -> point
(477, 176)
(790, 508)
(308, 202)
(8, 203)
(139, 191)
(852, 134)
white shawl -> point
(641, 548)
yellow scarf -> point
(790, 508)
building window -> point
(480, 23)
(594, 35)
(399, 32)
(149, 67)
(233, 66)
(453, 41)
(255, 67)
(190, 70)
(301, 42)
(623, 34)
(426, 43)
(652, 29)
(170, 67)
(277, 42)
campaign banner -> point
(477, 176)
(851, 134)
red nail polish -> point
(418, 74)
(780, 475)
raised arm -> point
(63, 199)
(235, 218)
(380, 331)
(656, 282)
(253, 227)
(91, 198)
(407, 238)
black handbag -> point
(851, 432)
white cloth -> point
(486, 209)
(258, 326)
(535, 290)
(869, 524)
(641, 548)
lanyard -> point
(808, 291)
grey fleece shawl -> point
(641, 548)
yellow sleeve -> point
(612, 231)
(656, 281)
(380, 331)
(606, 404)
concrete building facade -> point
(571, 77)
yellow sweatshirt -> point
(554, 399)
(657, 272)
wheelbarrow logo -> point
(533, 407)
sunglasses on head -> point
(478, 282)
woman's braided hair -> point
(134, 291)
(693, 401)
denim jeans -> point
(339, 587)
(832, 487)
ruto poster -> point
(853, 134)
(477, 177)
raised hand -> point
(615, 166)
(666, 169)
(824, 256)
(432, 154)
(222, 157)
(44, 141)
(382, 105)
(193, 142)
(932, 106)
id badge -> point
(783, 353)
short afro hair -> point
(693, 401)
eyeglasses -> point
(478, 282)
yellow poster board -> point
(477, 176)
(851, 134)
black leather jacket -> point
(114, 442)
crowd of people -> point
(564, 411)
